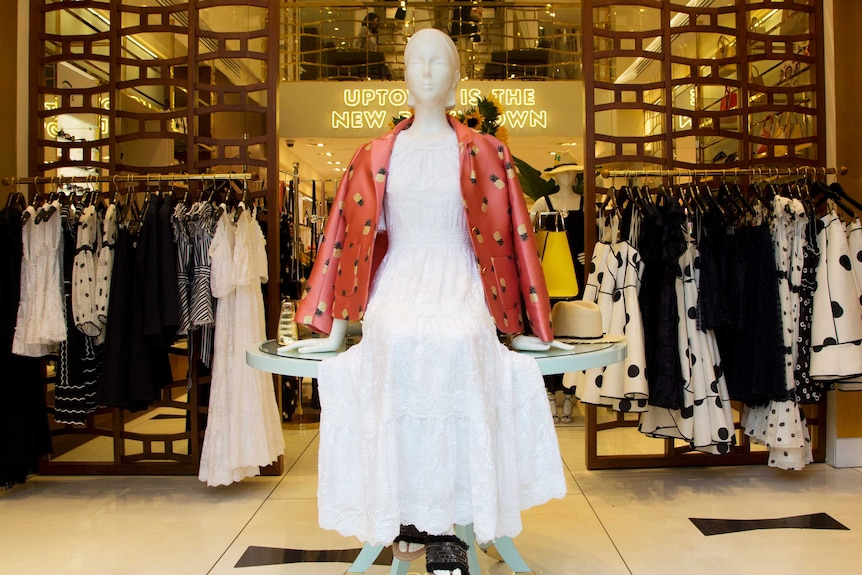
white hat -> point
(563, 162)
(580, 321)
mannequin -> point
(569, 202)
(429, 420)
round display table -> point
(264, 357)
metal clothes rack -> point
(306, 226)
(158, 451)
(154, 179)
(776, 172)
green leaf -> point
(532, 182)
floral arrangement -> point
(484, 117)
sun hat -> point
(563, 162)
(579, 321)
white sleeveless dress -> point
(429, 420)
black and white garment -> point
(854, 244)
(808, 390)
(184, 262)
(705, 419)
(201, 228)
(84, 270)
(79, 360)
(780, 425)
(837, 317)
(613, 284)
(104, 270)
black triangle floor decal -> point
(723, 526)
(257, 556)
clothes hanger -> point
(736, 192)
(709, 198)
(839, 191)
(243, 203)
(45, 213)
(12, 199)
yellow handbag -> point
(557, 264)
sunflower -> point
(473, 119)
(502, 134)
(490, 109)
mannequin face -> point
(430, 71)
(564, 179)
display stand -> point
(553, 361)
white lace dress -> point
(429, 420)
(243, 424)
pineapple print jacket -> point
(501, 232)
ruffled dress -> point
(430, 420)
(243, 424)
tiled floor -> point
(610, 522)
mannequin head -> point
(431, 69)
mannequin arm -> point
(318, 345)
(532, 343)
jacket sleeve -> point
(533, 288)
(315, 307)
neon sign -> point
(371, 107)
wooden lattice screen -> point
(675, 84)
(174, 86)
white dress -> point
(614, 284)
(429, 420)
(41, 321)
(243, 424)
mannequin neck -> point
(430, 124)
(566, 198)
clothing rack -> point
(157, 450)
(127, 178)
(674, 452)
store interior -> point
(262, 103)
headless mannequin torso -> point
(565, 198)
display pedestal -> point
(587, 356)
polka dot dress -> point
(780, 424)
(836, 338)
(705, 420)
(84, 273)
(613, 283)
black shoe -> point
(447, 553)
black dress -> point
(661, 244)
(752, 350)
(113, 385)
(24, 435)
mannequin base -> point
(504, 546)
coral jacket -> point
(502, 237)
